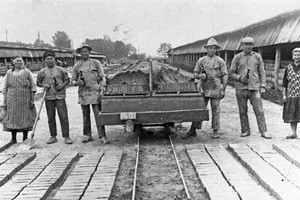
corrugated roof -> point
(284, 28)
(31, 52)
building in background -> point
(33, 56)
(275, 38)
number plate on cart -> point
(127, 115)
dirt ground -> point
(156, 154)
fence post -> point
(277, 64)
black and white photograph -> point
(149, 100)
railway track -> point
(173, 168)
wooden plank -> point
(155, 103)
(177, 87)
(157, 117)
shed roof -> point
(8, 51)
(283, 28)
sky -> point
(143, 23)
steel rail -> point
(135, 170)
(178, 165)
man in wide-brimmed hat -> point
(212, 72)
(54, 79)
(89, 76)
(247, 69)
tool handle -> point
(38, 114)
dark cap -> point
(48, 53)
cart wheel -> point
(138, 129)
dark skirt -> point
(291, 110)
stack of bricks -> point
(24, 177)
(43, 185)
(236, 175)
(268, 176)
(101, 184)
(79, 178)
(210, 176)
(10, 164)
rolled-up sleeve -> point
(100, 69)
(233, 69)
(40, 77)
(75, 72)
(262, 72)
(31, 81)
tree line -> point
(111, 49)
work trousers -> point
(61, 107)
(87, 130)
(215, 110)
(242, 97)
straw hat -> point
(83, 45)
(212, 42)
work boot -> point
(104, 140)
(245, 134)
(68, 140)
(13, 141)
(52, 140)
(191, 133)
(293, 136)
(216, 134)
(266, 135)
(87, 139)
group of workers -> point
(19, 91)
(248, 73)
(247, 70)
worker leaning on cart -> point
(212, 71)
(89, 76)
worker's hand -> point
(31, 104)
(101, 93)
(284, 98)
(262, 89)
(46, 86)
(4, 106)
(59, 87)
(243, 79)
(201, 76)
(222, 94)
(80, 82)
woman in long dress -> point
(291, 94)
(18, 99)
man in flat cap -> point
(247, 69)
(212, 72)
(89, 76)
(54, 79)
